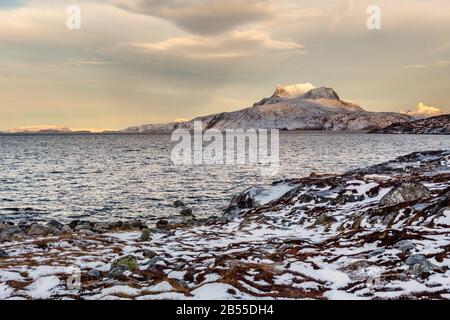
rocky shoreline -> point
(381, 232)
(433, 125)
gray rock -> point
(8, 230)
(244, 200)
(406, 192)
(149, 254)
(126, 226)
(74, 223)
(41, 230)
(324, 219)
(66, 230)
(388, 219)
(153, 261)
(55, 224)
(187, 212)
(348, 198)
(146, 235)
(377, 252)
(115, 225)
(404, 245)
(117, 272)
(316, 198)
(179, 204)
(94, 273)
(138, 224)
(3, 254)
(84, 225)
(415, 259)
(162, 224)
(422, 267)
(101, 227)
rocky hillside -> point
(377, 233)
(433, 125)
(295, 107)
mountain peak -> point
(293, 90)
(321, 93)
(299, 91)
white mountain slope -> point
(292, 108)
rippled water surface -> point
(103, 177)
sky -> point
(151, 61)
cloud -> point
(424, 111)
(231, 45)
(202, 17)
(414, 66)
(440, 63)
(86, 62)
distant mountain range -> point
(50, 130)
(290, 108)
(39, 130)
(433, 125)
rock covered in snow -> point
(406, 192)
(254, 197)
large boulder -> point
(55, 224)
(415, 259)
(186, 212)
(7, 231)
(179, 204)
(406, 192)
(404, 246)
(162, 224)
(255, 197)
(424, 267)
(41, 230)
(84, 225)
(246, 199)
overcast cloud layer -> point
(144, 61)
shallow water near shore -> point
(110, 177)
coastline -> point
(320, 237)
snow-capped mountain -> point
(294, 107)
